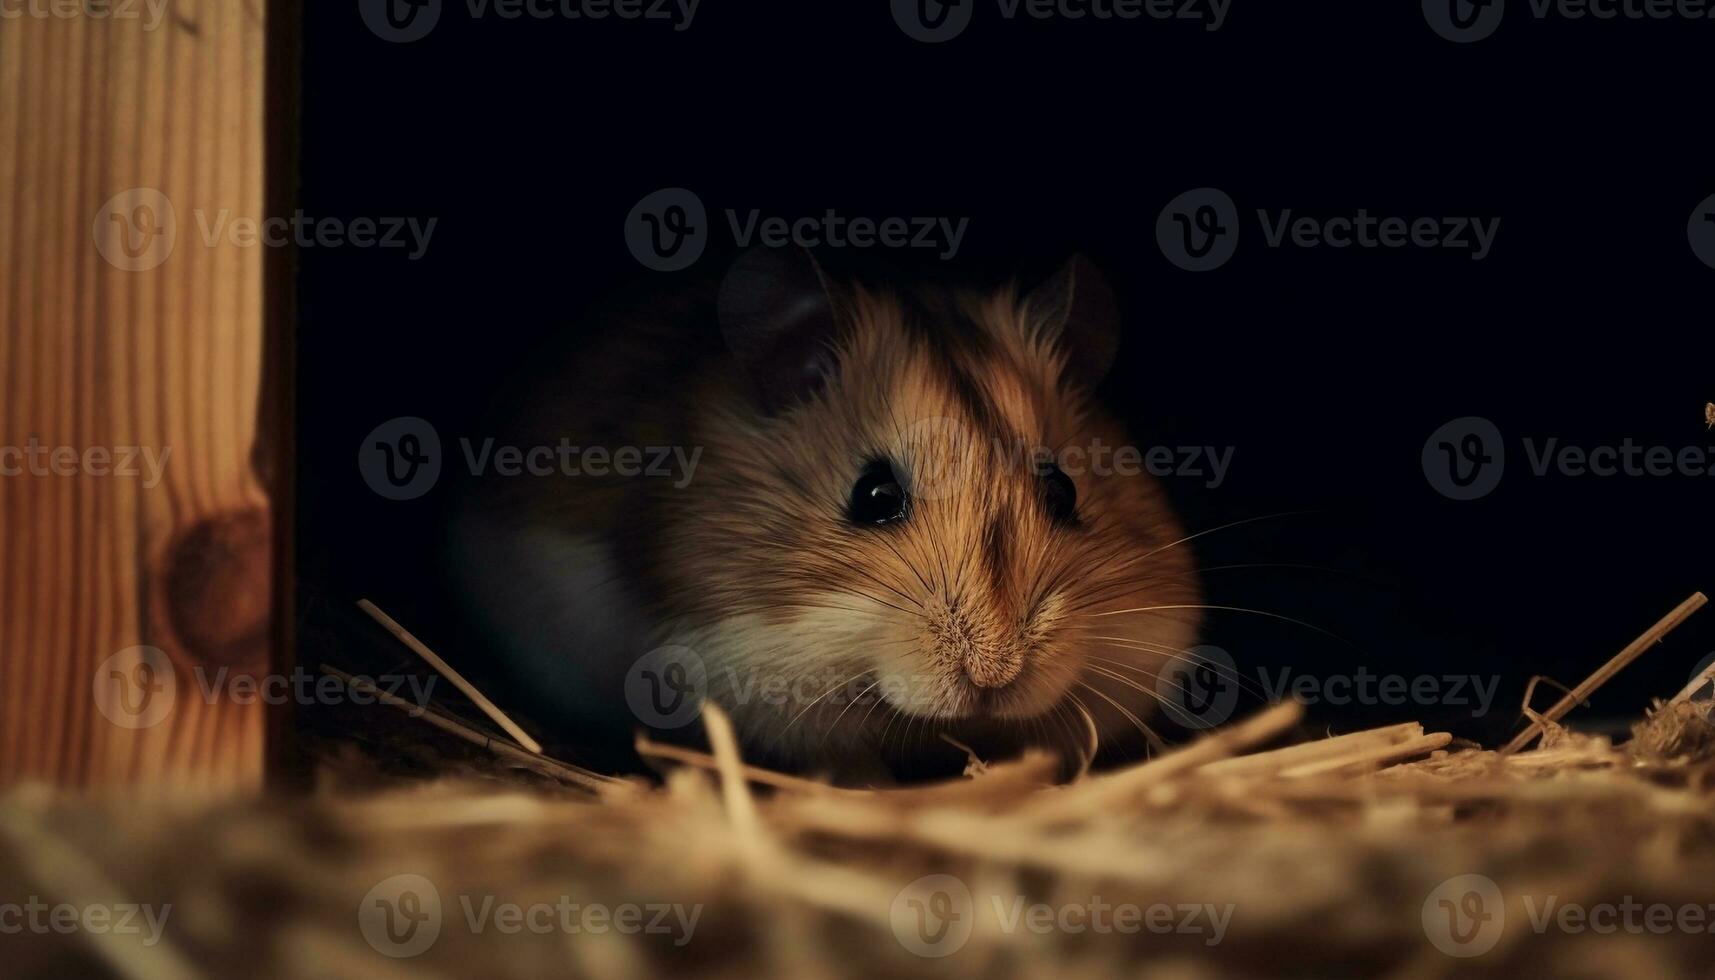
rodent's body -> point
(985, 598)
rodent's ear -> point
(1077, 307)
(778, 321)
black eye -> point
(1060, 496)
(877, 497)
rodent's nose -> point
(989, 664)
(988, 657)
(992, 669)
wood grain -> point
(98, 354)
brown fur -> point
(976, 607)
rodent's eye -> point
(877, 496)
(1060, 496)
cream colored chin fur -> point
(831, 680)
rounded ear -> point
(778, 320)
(1076, 307)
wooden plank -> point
(148, 348)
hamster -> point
(874, 516)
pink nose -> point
(993, 668)
(991, 656)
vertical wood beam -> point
(129, 335)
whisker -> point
(908, 564)
(1296, 566)
(1241, 609)
(1221, 670)
(860, 696)
(1229, 526)
(1148, 733)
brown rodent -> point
(874, 544)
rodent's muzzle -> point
(988, 657)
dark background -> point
(1326, 370)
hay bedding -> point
(1324, 859)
